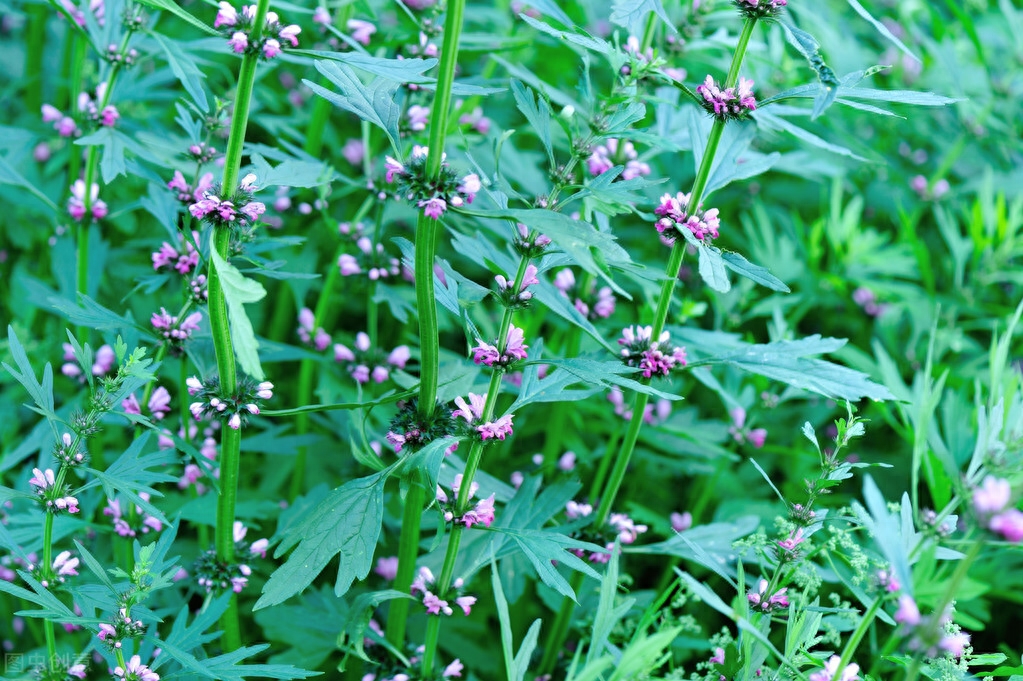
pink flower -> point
(433, 208)
(393, 168)
(793, 541)
(575, 510)
(226, 16)
(482, 514)
(271, 48)
(499, 429)
(348, 265)
(566, 461)
(718, 657)
(908, 612)
(745, 94)
(65, 565)
(42, 481)
(992, 496)
(456, 667)
(76, 670)
(399, 357)
(354, 151)
(680, 522)
(136, 671)
(470, 186)
(831, 672)
(465, 603)
(434, 605)
(290, 34)
(51, 113)
(361, 30)
(955, 644)
(387, 568)
(109, 116)
(239, 42)
(321, 16)
(471, 411)
(1009, 524)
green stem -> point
(35, 44)
(408, 551)
(648, 33)
(861, 630)
(621, 464)
(426, 301)
(230, 447)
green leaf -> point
(290, 173)
(185, 70)
(347, 522)
(373, 102)
(886, 528)
(630, 14)
(788, 362)
(537, 113)
(132, 473)
(761, 275)
(881, 28)
(607, 374)
(176, 9)
(552, 388)
(810, 48)
(424, 465)
(709, 545)
(357, 628)
(644, 655)
(226, 668)
(41, 393)
(607, 616)
(185, 637)
(578, 37)
(237, 291)
(398, 70)
(712, 269)
(772, 119)
(542, 547)
(114, 142)
(8, 175)
(517, 666)
(310, 627)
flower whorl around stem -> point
(733, 103)
(234, 409)
(654, 358)
(434, 197)
(760, 9)
(676, 214)
(238, 27)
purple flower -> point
(65, 565)
(321, 16)
(767, 602)
(499, 429)
(680, 522)
(239, 42)
(387, 568)
(908, 612)
(433, 208)
(226, 16)
(290, 34)
(992, 496)
(718, 657)
(435, 606)
(393, 168)
(456, 667)
(793, 541)
(418, 117)
(471, 411)
(271, 48)
(1009, 524)
(831, 672)
(361, 30)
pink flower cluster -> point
(238, 28)
(923, 189)
(741, 434)
(618, 526)
(64, 565)
(529, 244)
(371, 260)
(90, 107)
(359, 360)
(593, 304)
(55, 498)
(141, 522)
(64, 125)
(185, 193)
(611, 153)
(654, 358)
(867, 300)
(173, 330)
(476, 121)
(734, 102)
(761, 9)
(76, 205)
(102, 362)
(182, 261)
(513, 351)
(230, 409)
(480, 514)
(136, 671)
(931, 635)
(991, 504)
(159, 404)
(676, 214)
(472, 412)
(434, 197)
(225, 211)
(521, 296)
(434, 604)
(765, 602)
(96, 7)
(318, 338)
(123, 627)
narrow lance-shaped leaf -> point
(239, 290)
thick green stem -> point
(35, 44)
(426, 301)
(408, 551)
(230, 447)
(861, 630)
(621, 464)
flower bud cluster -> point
(226, 211)
(763, 601)
(68, 452)
(76, 204)
(64, 125)
(676, 214)
(89, 108)
(435, 605)
(408, 430)
(482, 512)
(202, 153)
(185, 193)
(760, 9)
(366, 362)
(239, 27)
(514, 350)
(432, 196)
(198, 290)
(472, 414)
(183, 260)
(734, 103)
(64, 565)
(113, 55)
(529, 244)
(173, 330)
(123, 627)
(593, 304)
(652, 357)
(234, 409)
(369, 259)
(517, 297)
(214, 575)
(56, 498)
